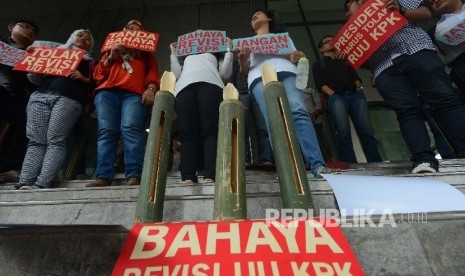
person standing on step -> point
(126, 81)
(263, 23)
(52, 112)
(199, 92)
(13, 100)
(343, 86)
(405, 64)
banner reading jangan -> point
(366, 31)
(201, 42)
(139, 40)
(50, 61)
(10, 55)
(277, 44)
(247, 247)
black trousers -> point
(197, 110)
(13, 110)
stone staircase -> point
(73, 230)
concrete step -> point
(71, 203)
(73, 230)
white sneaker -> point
(424, 167)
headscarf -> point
(69, 43)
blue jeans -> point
(120, 112)
(302, 121)
(255, 117)
(422, 72)
(353, 104)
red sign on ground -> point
(246, 247)
(366, 31)
(139, 40)
(50, 61)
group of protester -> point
(123, 84)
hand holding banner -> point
(139, 40)
(201, 42)
(10, 55)
(366, 31)
(50, 61)
(277, 44)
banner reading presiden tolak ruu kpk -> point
(10, 55)
(246, 247)
(50, 61)
(201, 41)
(367, 30)
(277, 44)
(139, 40)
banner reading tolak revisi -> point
(201, 42)
(50, 61)
(10, 55)
(246, 247)
(139, 40)
(366, 31)
(277, 44)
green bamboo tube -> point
(153, 180)
(230, 193)
(293, 181)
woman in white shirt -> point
(199, 92)
(263, 23)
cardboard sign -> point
(50, 61)
(201, 42)
(277, 44)
(246, 247)
(139, 40)
(10, 55)
(366, 31)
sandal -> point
(208, 181)
(188, 182)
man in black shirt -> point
(13, 100)
(341, 83)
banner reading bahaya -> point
(277, 44)
(50, 61)
(201, 42)
(139, 40)
(366, 31)
(245, 247)
(10, 55)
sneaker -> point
(425, 167)
(9, 176)
(322, 170)
(133, 181)
(32, 187)
(99, 183)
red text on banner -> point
(50, 61)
